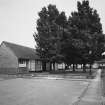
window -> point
(22, 63)
(37, 62)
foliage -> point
(49, 33)
(86, 31)
(76, 40)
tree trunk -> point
(44, 66)
(76, 66)
(73, 67)
(81, 66)
(84, 68)
(66, 66)
(90, 72)
(54, 66)
(50, 66)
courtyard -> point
(41, 91)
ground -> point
(103, 82)
(41, 91)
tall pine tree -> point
(49, 32)
(85, 27)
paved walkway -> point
(93, 93)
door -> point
(32, 65)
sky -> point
(18, 17)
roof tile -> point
(22, 51)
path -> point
(93, 94)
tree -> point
(84, 25)
(76, 40)
(48, 36)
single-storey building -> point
(16, 58)
(101, 63)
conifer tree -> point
(86, 30)
(48, 36)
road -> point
(32, 91)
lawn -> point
(25, 91)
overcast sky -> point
(18, 17)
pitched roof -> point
(22, 51)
